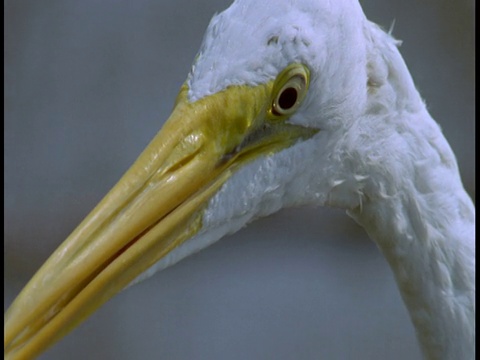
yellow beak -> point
(156, 206)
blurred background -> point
(87, 85)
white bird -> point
(308, 104)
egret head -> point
(282, 105)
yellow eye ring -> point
(289, 90)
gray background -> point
(87, 85)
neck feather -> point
(428, 240)
(417, 210)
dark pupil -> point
(287, 98)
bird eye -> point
(287, 98)
(289, 90)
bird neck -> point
(426, 232)
(413, 205)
